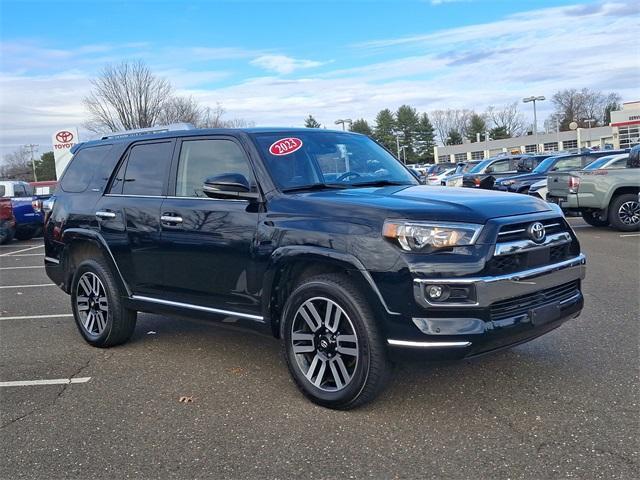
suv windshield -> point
(318, 159)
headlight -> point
(455, 182)
(506, 183)
(419, 236)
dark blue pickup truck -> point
(27, 207)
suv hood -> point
(422, 202)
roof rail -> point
(147, 131)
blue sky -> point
(275, 62)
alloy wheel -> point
(629, 213)
(92, 303)
(325, 344)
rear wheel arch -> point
(80, 246)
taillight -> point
(476, 181)
(574, 183)
(37, 205)
(433, 178)
(47, 205)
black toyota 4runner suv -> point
(321, 238)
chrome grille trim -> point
(519, 246)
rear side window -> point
(3, 191)
(569, 163)
(145, 170)
(79, 173)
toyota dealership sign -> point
(63, 140)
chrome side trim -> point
(200, 308)
(52, 260)
(519, 246)
(133, 196)
(406, 343)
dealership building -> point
(622, 132)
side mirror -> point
(228, 185)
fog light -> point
(437, 293)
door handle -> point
(170, 219)
(105, 214)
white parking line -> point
(631, 235)
(20, 268)
(29, 286)
(29, 255)
(53, 381)
(20, 251)
(20, 245)
(29, 317)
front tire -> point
(97, 305)
(332, 344)
(593, 219)
(624, 212)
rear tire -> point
(332, 345)
(97, 305)
(594, 220)
(25, 234)
(7, 237)
(624, 212)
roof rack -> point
(147, 131)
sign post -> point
(63, 140)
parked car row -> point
(594, 183)
(25, 202)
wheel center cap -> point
(324, 343)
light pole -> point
(342, 121)
(589, 121)
(535, 115)
(31, 147)
(397, 134)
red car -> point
(7, 221)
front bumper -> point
(539, 299)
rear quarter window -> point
(80, 171)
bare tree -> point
(126, 96)
(507, 118)
(572, 105)
(212, 118)
(447, 121)
(17, 166)
(180, 109)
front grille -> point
(519, 261)
(514, 307)
(518, 231)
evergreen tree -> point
(407, 121)
(425, 139)
(454, 138)
(499, 133)
(311, 122)
(361, 126)
(385, 126)
(46, 167)
(477, 125)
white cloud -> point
(533, 53)
(283, 64)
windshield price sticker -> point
(285, 146)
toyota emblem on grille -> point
(536, 232)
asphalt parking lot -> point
(562, 406)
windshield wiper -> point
(315, 186)
(380, 183)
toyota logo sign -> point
(536, 232)
(64, 136)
